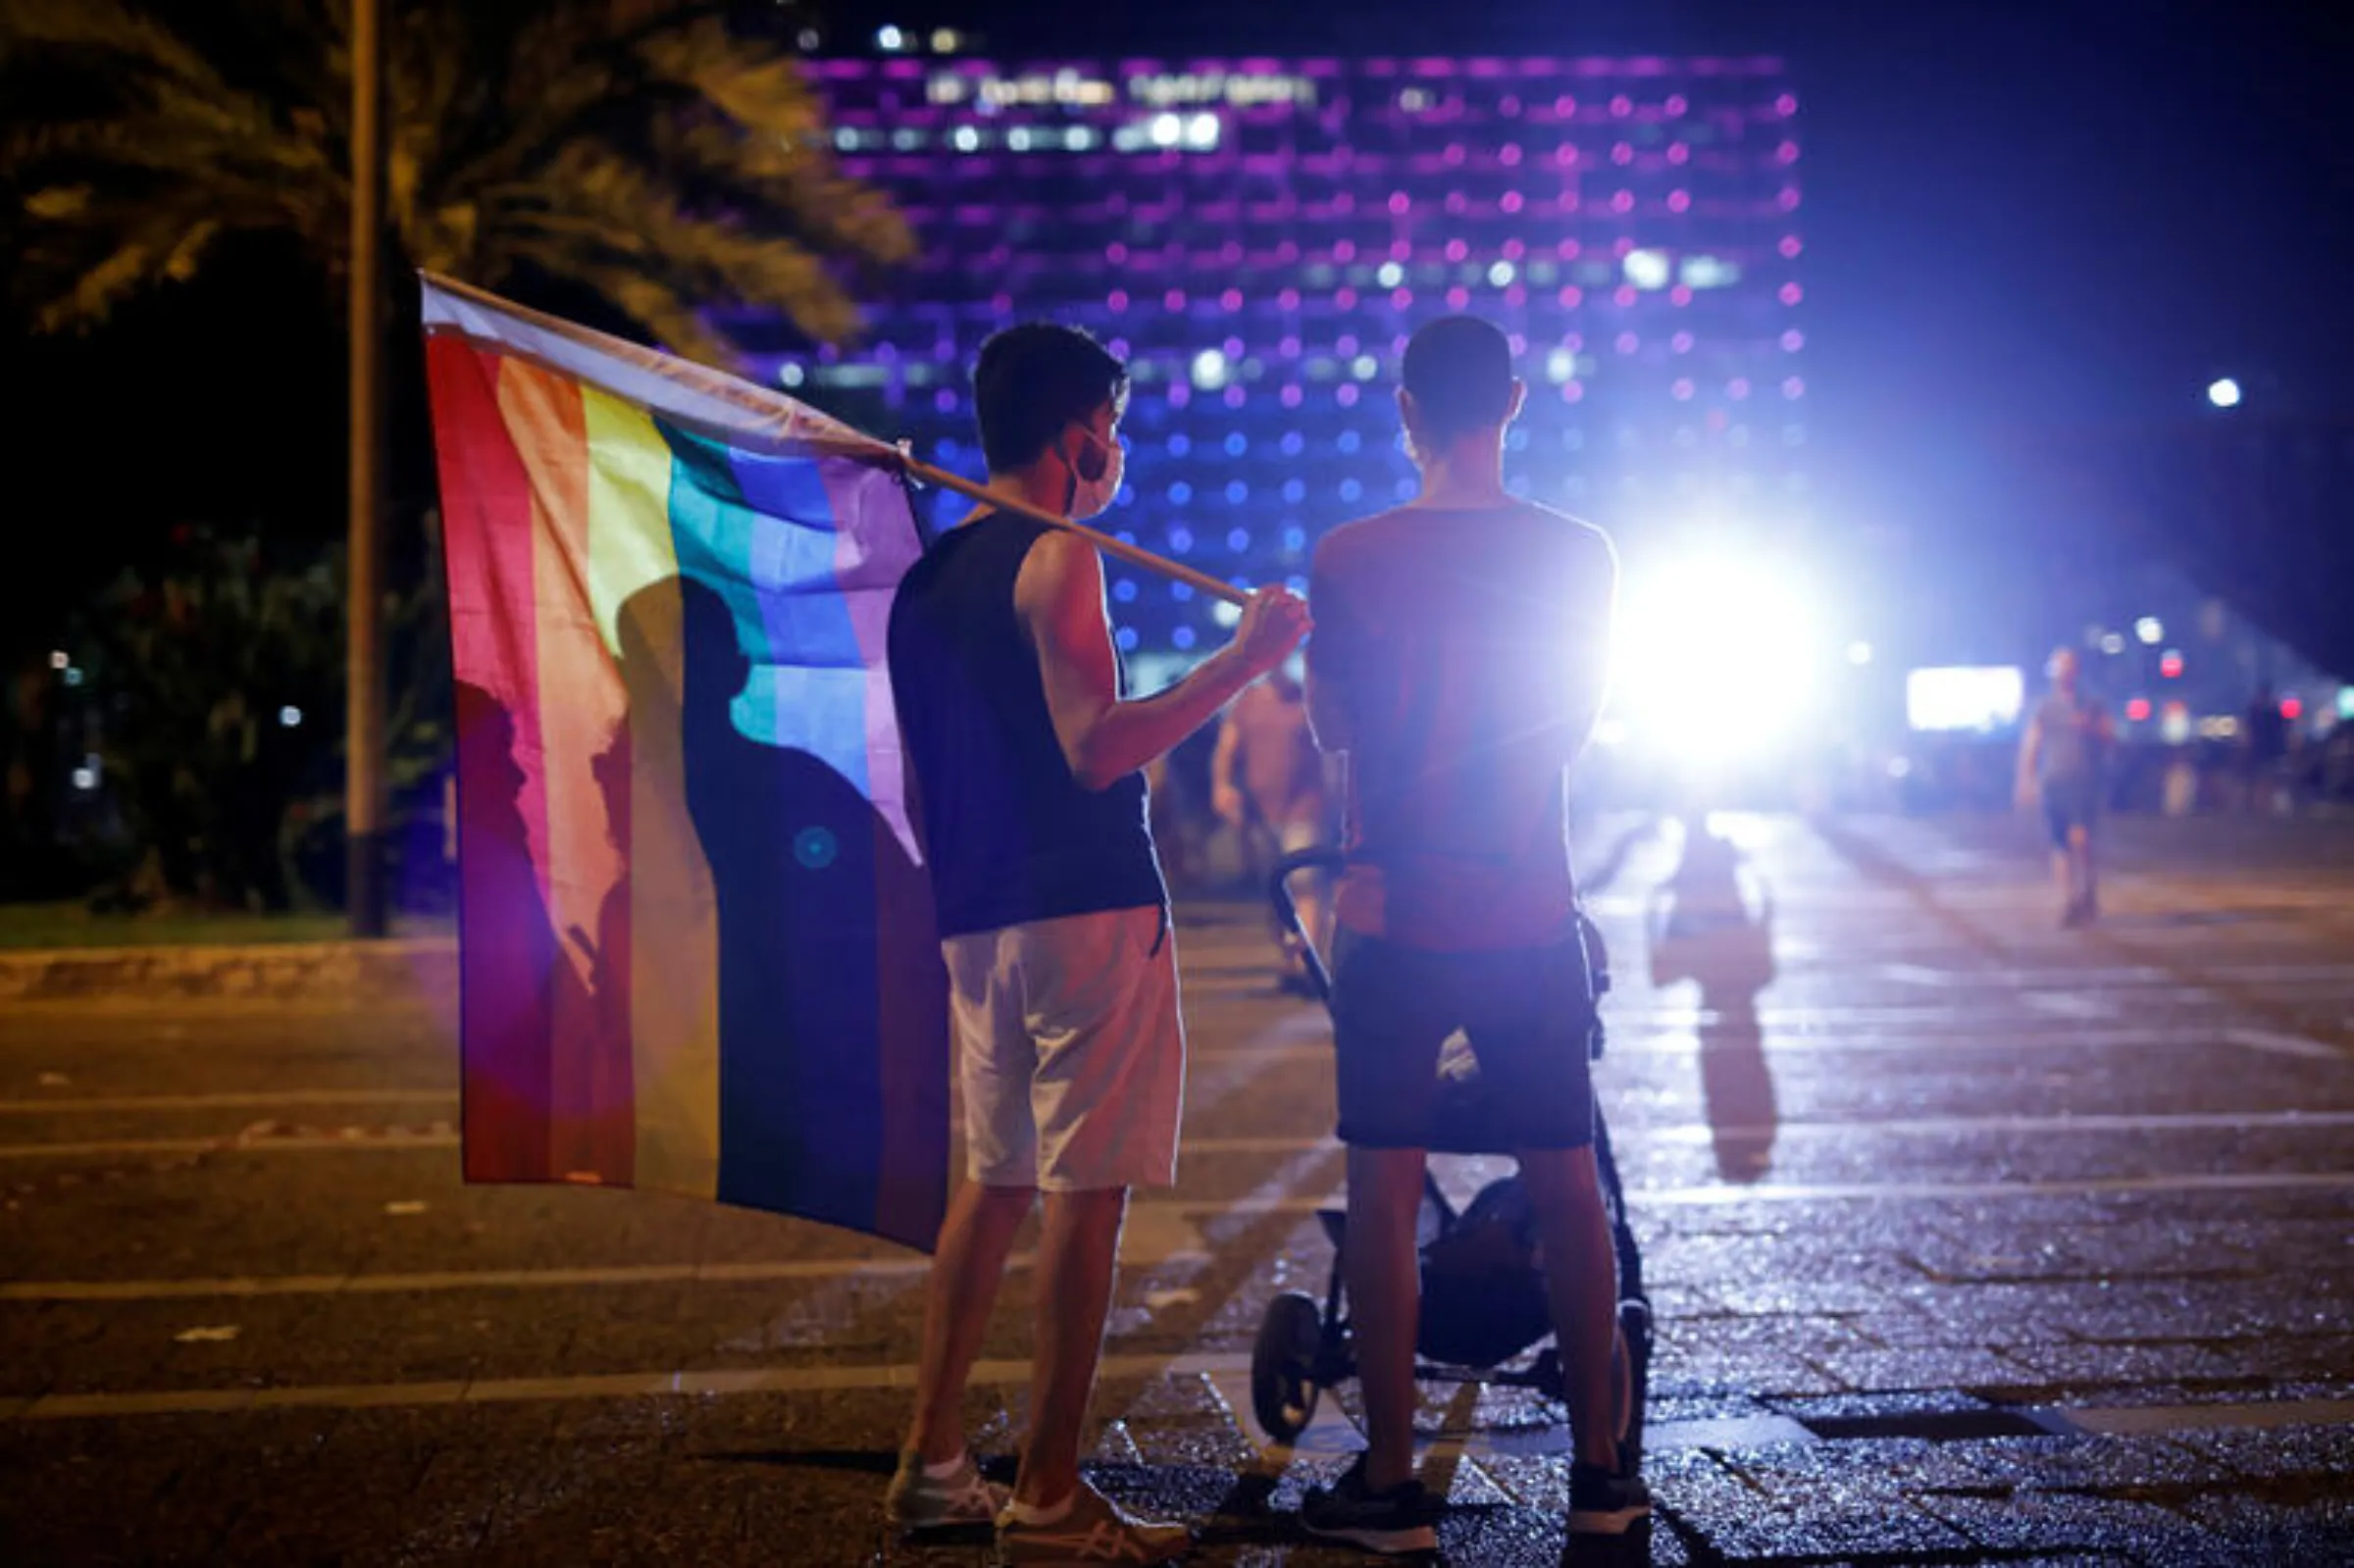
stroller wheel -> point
(1283, 1363)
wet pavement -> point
(1970, 1240)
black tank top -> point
(1009, 835)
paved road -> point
(1971, 1241)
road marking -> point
(1226, 1373)
(719, 1383)
(2279, 1045)
(2069, 1004)
(251, 1099)
(1167, 1237)
(358, 1139)
(349, 1141)
(364, 1140)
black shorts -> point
(1528, 1014)
(2069, 803)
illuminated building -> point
(1257, 238)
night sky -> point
(2040, 216)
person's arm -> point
(2030, 746)
(1060, 599)
(1590, 608)
(1225, 792)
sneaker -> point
(1095, 1530)
(918, 1500)
(1603, 1502)
(1397, 1521)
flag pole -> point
(1132, 554)
(768, 405)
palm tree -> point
(637, 149)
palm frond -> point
(634, 146)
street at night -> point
(1970, 1240)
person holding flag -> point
(1027, 757)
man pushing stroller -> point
(1457, 664)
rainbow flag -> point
(696, 944)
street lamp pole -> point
(364, 796)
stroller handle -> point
(1319, 972)
(1287, 908)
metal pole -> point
(364, 691)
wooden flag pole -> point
(1134, 555)
(763, 401)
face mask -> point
(1089, 497)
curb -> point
(399, 968)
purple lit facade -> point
(1258, 237)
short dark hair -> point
(1033, 379)
(1458, 370)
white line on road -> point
(722, 1382)
(2279, 1045)
(246, 1100)
(1168, 1231)
(362, 1139)
(1225, 1371)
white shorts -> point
(1069, 1050)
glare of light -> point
(1364, 367)
(1202, 132)
(1859, 652)
(1226, 613)
(808, 39)
(2173, 723)
(85, 778)
(290, 716)
(790, 375)
(2292, 708)
(965, 139)
(2150, 630)
(1390, 274)
(1978, 698)
(1079, 138)
(1500, 274)
(888, 37)
(59, 659)
(2169, 663)
(1648, 269)
(73, 674)
(1209, 369)
(1166, 130)
(1717, 656)
(2113, 642)
(945, 40)
(1561, 365)
(2345, 703)
(2223, 392)
(1610, 733)
(2137, 709)
(1018, 138)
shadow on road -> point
(1712, 923)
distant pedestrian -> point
(1267, 780)
(2061, 763)
(2263, 746)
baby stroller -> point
(1483, 1295)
